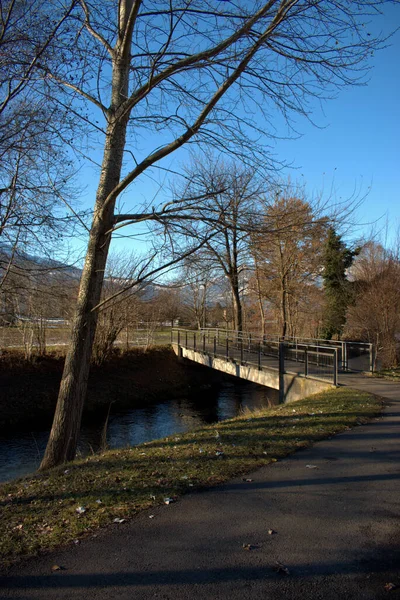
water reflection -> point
(20, 453)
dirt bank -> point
(28, 391)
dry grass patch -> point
(40, 512)
(392, 374)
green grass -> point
(393, 374)
(39, 512)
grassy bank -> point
(28, 390)
(40, 512)
(392, 374)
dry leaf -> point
(390, 586)
(280, 568)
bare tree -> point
(375, 312)
(234, 200)
(35, 168)
(117, 315)
(198, 275)
(192, 72)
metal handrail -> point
(209, 341)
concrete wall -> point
(292, 387)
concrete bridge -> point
(296, 367)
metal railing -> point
(352, 356)
(262, 352)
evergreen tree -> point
(337, 259)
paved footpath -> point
(337, 532)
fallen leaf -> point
(247, 480)
(271, 532)
(280, 568)
(117, 520)
(151, 516)
(80, 510)
(247, 547)
(57, 568)
(311, 467)
(390, 586)
(168, 500)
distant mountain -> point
(25, 260)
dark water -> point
(20, 453)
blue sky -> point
(354, 151)
(359, 145)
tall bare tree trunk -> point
(259, 296)
(68, 415)
(237, 309)
(283, 310)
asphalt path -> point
(334, 511)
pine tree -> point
(337, 259)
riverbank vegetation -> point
(127, 378)
(391, 374)
(68, 503)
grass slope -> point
(40, 512)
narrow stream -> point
(20, 453)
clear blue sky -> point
(355, 149)
(359, 145)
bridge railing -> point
(262, 352)
(352, 356)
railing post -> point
(281, 357)
(305, 362)
(194, 341)
(215, 346)
(227, 347)
(172, 336)
(179, 338)
(371, 357)
(259, 356)
(241, 352)
(335, 367)
(186, 340)
(281, 371)
(204, 342)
